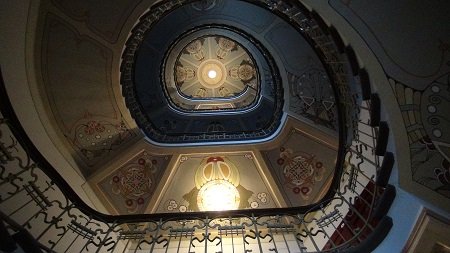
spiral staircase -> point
(41, 212)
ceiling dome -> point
(209, 70)
(218, 76)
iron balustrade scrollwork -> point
(312, 29)
(38, 206)
(35, 199)
(142, 114)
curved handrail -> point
(353, 202)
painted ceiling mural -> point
(421, 84)
(302, 166)
(78, 46)
(95, 136)
(79, 49)
(224, 70)
(425, 113)
(211, 72)
(216, 182)
(130, 188)
(82, 103)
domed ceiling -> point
(164, 106)
(211, 73)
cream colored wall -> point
(18, 23)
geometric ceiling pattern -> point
(223, 77)
(79, 49)
(296, 170)
(312, 97)
(303, 167)
(129, 188)
(210, 73)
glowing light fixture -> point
(212, 74)
(218, 195)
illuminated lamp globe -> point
(218, 195)
(212, 74)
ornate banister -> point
(38, 206)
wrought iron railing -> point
(147, 118)
(308, 24)
(40, 212)
(37, 203)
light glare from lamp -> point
(212, 74)
(218, 195)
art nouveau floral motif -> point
(96, 137)
(425, 114)
(301, 171)
(131, 187)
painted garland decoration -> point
(95, 137)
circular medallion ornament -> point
(209, 65)
(135, 182)
(210, 71)
(212, 74)
(298, 170)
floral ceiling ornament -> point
(135, 182)
(225, 47)
(183, 74)
(95, 137)
(425, 114)
(201, 70)
(195, 49)
(301, 171)
(244, 72)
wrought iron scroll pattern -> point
(336, 64)
(33, 201)
(34, 198)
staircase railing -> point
(40, 212)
